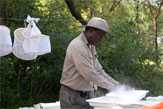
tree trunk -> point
(75, 12)
(155, 16)
(155, 29)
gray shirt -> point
(82, 70)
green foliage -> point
(127, 57)
(127, 52)
(24, 83)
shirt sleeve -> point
(83, 64)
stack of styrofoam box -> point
(54, 105)
(120, 99)
(26, 108)
(106, 102)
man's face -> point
(94, 35)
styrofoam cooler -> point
(55, 105)
(26, 108)
(100, 105)
(105, 103)
(5, 41)
(130, 99)
(111, 107)
(116, 107)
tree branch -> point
(155, 16)
(159, 9)
(114, 5)
(150, 7)
(75, 12)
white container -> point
(128, 95)
(28, 48)
(5, 41)
(55, 105)
(112, 103)
(18, 49)
(39, 44)
(26, 108)
(130, 99)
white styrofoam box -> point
(128, 95)
(157, 98)
(26, 108)
(5, 41)
(107, 102)
(115, 107)
(55, 105)
(110, 100)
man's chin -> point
(93, 43)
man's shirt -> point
(82, 70)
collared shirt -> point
(82, 70)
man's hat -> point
(98, 23)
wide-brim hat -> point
(98, 23)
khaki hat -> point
(98, 23)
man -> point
(82, 73)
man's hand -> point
(100, 92)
